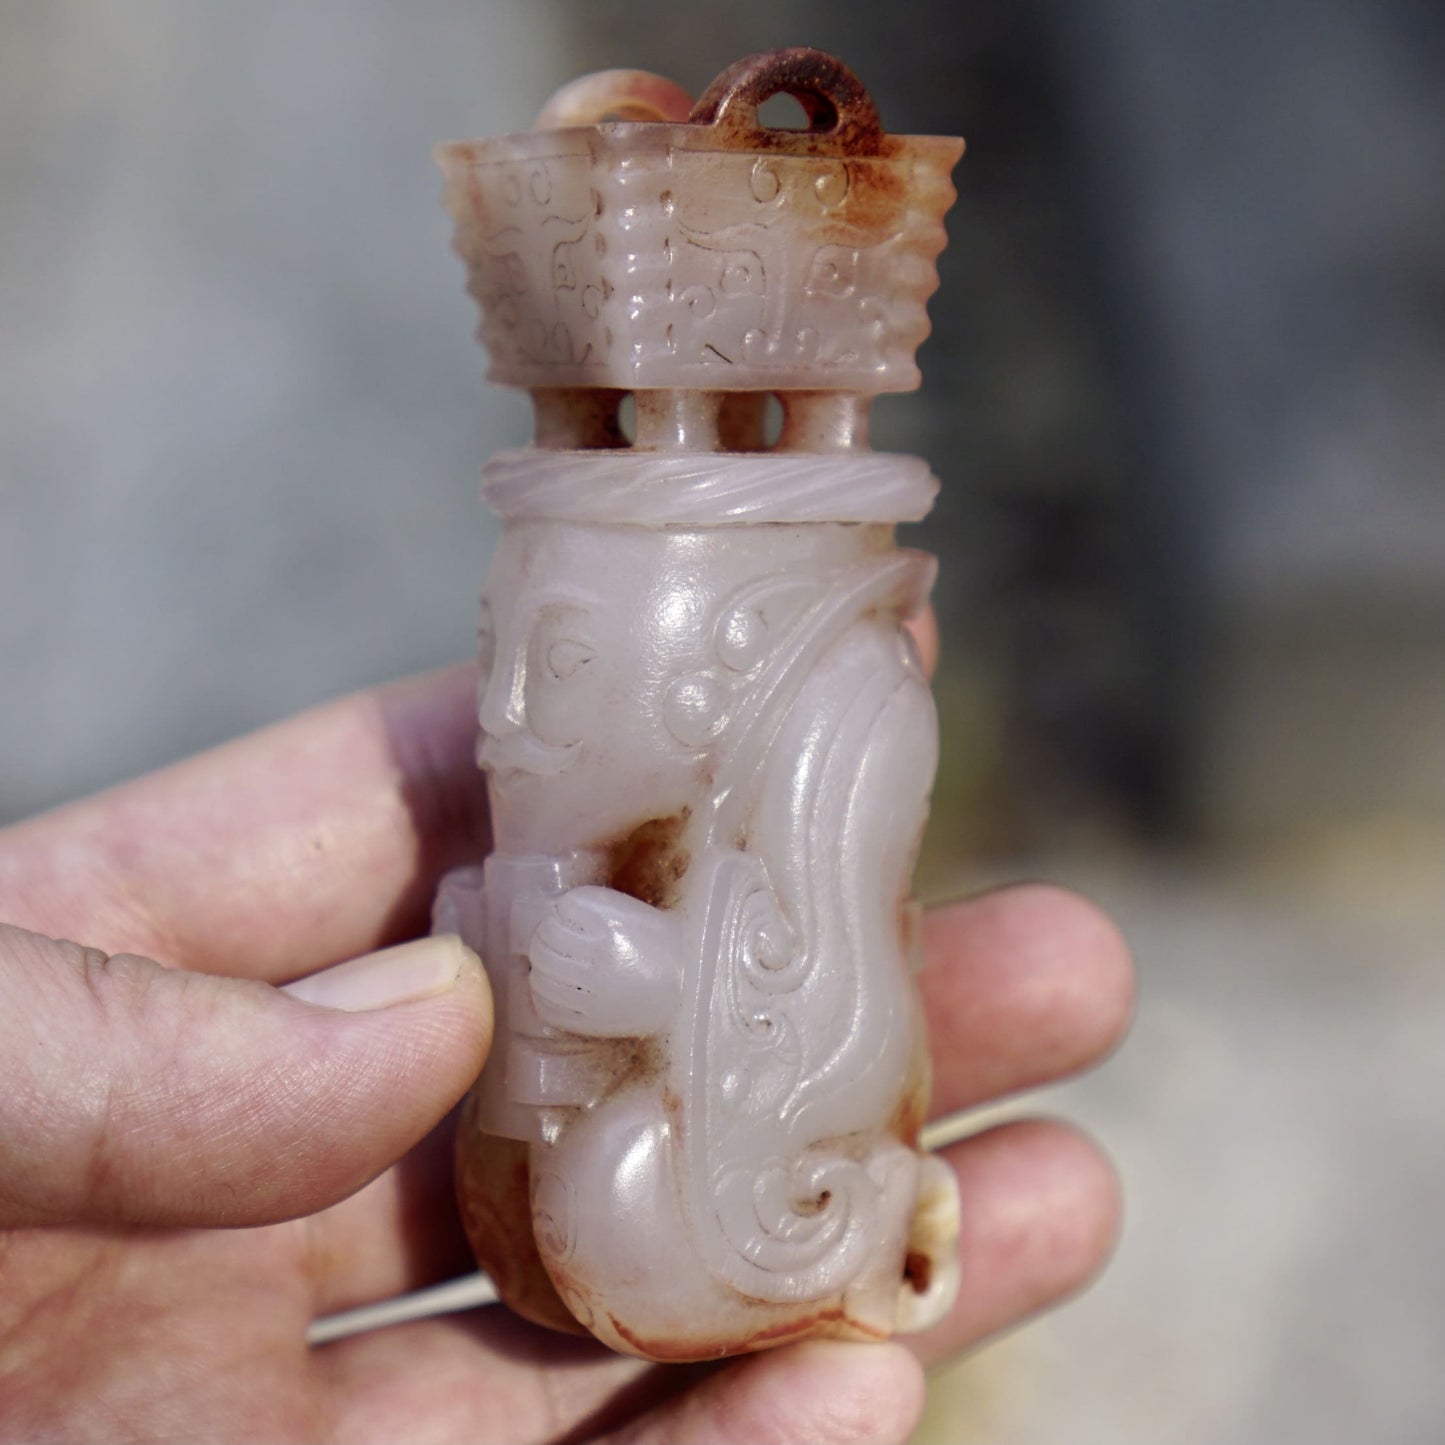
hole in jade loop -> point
(785, 112)
(773, 419)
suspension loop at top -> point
(838, 108)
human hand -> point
(179, 1146)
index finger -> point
(307, 842)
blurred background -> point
(1186, 396)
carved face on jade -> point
(614, 660)
(708, 741)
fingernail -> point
(404, 974)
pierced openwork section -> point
(580, 418)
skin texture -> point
(193, 1165)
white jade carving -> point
(708, 740)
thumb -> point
(140, 1094)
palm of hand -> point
(123, 1315)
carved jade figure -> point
(709, 743)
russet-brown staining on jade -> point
(651, 861)
(636, 1061)
(832, 97)
(906, 1124)
(843, 122)
(569, 418)
(917, 1270)
(494, 1193)
(825, 1324)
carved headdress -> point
(705, 251)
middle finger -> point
(1020, 987)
